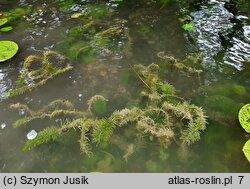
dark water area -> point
(145, 28)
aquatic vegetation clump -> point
(37, 70)
(162, 117)
(96, 37)
(187, 65)
(54, 110)
(97, 104)
(10, 17)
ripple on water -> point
(5, 82)
(240, 50)
(211, 22)
(214, 22)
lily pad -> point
(246, 150)
(3, 21)
(188, 27)
(244, 117)
(7, 50)
(6, 29)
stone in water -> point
(3, 125)
(31, 135)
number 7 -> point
(241, 178)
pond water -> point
(222, 35)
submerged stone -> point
(31, 135)
(3, 125)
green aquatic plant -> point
(12, 16)
(3, 21)
(6, 29)
(96, 37)
(244, 119)
(8, 49)
(162, 117)
(39, 69)
(16, 13)
(190, 65)
(231, 90)
(188, 27)
(97, 104)
(246, 150)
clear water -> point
(221, 33)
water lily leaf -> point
(3, 21)
(6, 29)
(246, 150)
(188, 27)
(244, 117)
(77, 15)
(7, 50)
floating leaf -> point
(246, 150)
(244, 117)
(7, 50)
(77, 15)
(3, 21)
(6, 29)
(188, 27)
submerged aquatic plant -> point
(37, 70)
(187, 65)
(164, 118)
(96, 37)
(7, 18)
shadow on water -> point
(222, 34)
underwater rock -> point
(3, 125)
(31, 135)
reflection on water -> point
(5, 80)
(215, 34)
(240, 50)
(211, 21)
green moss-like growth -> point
(98, 105)
(45, 136)
(190, 65)
(163, 118)
(39, 70)
(96, 37)
(12, 16)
